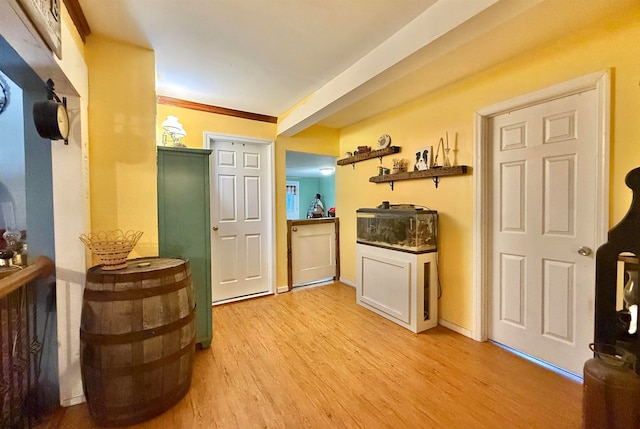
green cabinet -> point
(184, 223)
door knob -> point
(294, 229)
(585, 251)
(215, 228)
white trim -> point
(282, 289)
(480, 238)
(455, 328)
(272, 213)
(347, 282)
(240, 298)
(208, 135)
(601, 82)
(271, 209)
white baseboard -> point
(455, 328)
(347, 282)
(241, 298)
(282, 289)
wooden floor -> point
(313, 358)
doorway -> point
(313, 174)
(242, 217)
(532, 290)
(312, 244)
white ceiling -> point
(259, 56)
(331, 62)
(301, 164)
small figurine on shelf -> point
(399, 165)
(447, 161)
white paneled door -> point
(543, 212)
(239, 219)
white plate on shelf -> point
(384, 141)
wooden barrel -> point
(137, 339)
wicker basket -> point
(111, 247)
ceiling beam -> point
(413, 46)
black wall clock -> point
(50, 116)
(51, 119)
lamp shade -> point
(173, 127)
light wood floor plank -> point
(312, 358)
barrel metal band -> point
(133, 294)
(130, 337)
(149, 366)
(97, 275)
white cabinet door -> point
(400, 286)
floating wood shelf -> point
(379, 153)
(435, 173)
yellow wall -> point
(122, 141)
(196, 122)
(316, 140)
(610, 45)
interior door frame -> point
(209, 138)
(601, 82)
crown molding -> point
(169, 101)
(78, 18)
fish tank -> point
(405, 228)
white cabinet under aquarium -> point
(397, 265)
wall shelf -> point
(434, 173)
(379, 153)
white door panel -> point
(253, 247)
(313, 253)
(239, 203)
(543, 186)
(252, 198)
(512, 289)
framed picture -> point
(423, 158)
(293, 200)
(45, 17)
